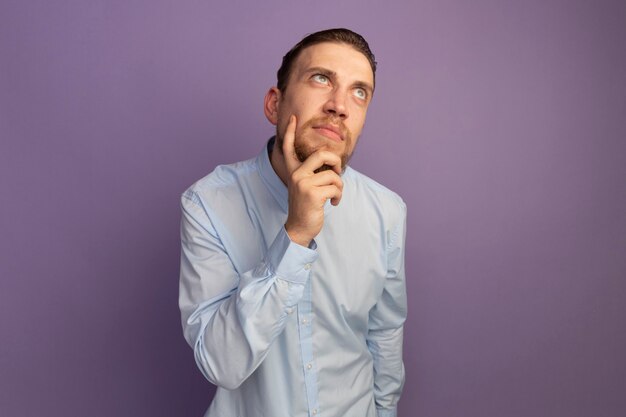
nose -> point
(336, 105)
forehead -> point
(338, 57)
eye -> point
(360, 93)
(320, 78)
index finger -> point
(289, 149)
(321, 160)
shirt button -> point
(314, 411)
(303, 321)
(307, 266)
(309, 366)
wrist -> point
(297, 236)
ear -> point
(271, 104)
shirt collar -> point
(271, 180)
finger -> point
(330, 192)
(325, 178)
(289, 149)
(319, 158)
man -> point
(292, 288)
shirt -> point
(285, 330)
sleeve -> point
(386, 322)
(229, 319)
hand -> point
(308, 189)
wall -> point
(501, 123)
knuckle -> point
(329, 155)
(309, 192)
(301, 187)
(295, 177)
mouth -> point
(329, 131)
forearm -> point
(386, 349)
(387, 318)
(232, 332)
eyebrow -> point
(332, 74)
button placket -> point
(305, 332)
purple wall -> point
(501, 123)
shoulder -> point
(224, 182)
(365, 188)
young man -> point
(292, 287)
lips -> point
(330, 131)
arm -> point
(230, 320)
(386, 320)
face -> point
(329, 91)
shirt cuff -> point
(288, 260)
(384, 412)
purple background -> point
(501, 123)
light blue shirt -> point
(284, 330)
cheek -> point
(356, 126)
(295, 107)
(301, 111)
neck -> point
(277, 159)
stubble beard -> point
(303, 149)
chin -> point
(303, 152)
